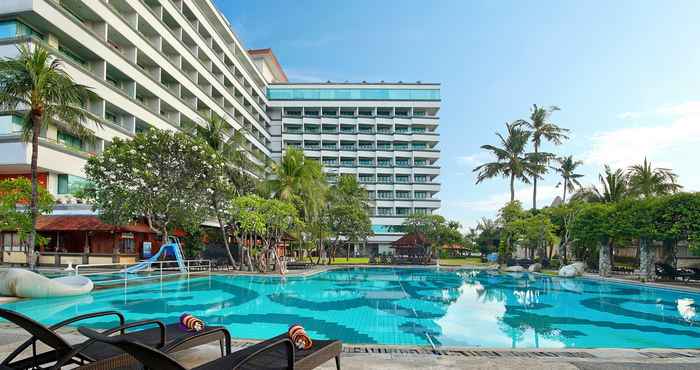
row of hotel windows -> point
(385, 179)
(362, 145)
(400, 211)
(352, 129)
(12, 125)
(381, 162)
(14, 28)
(357, 112)
(399, 194)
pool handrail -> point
(121, 268)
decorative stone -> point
(571, 270)
(515, 269)
(580, 267)
(535, 267)
(604, 265)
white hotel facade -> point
(169, 64)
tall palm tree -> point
(512, 160)
(647, 181)
(35, 84)
(542, 129)
(566, 169)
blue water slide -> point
(177, 252)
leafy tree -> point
(677, 218)
(542, 129)
(647, 181)
(35, 84)
(512, 159)
(265, 220)
(437, 230)
(634, 219)
(509, 217)
(592, 234)
(161, 176)
(14, 215)
(563, 217)
(567, 170)
(347, 213)
(488, 236)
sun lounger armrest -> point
(283, 341)
(136, 324)
(174, 345)
(88, 316)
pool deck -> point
(374, 357)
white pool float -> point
(26, 284)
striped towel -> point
(298, 336)
(190, 323)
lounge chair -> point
(667, 271)
(274, 353)
(98, 355)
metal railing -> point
(110, 273)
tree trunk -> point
(33, 203)
(222, 227)
(561, 251)
(604, 264)
(646, 260)
(512, 187)
(563, 199)
(534, 183)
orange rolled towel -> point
(191, 323)
(298, 336)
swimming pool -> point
(410, 306)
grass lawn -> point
(461, 261)
(350, 261)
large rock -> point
(574, 269)
(535, 267)
(515, 269)
(580, 267)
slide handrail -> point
(161, 269)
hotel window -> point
(347, 162)
(312, 145)
(417, 129)
(293, 129)
(421, 178)
(11, 242)
(347, 146)
(383, 145)
(366, 145)
(346, 112)
(402, 178)
(419, 146)
(327, 112)
(400, 146)
(292, 112)
(384, 211)
(311, 112)
(126, 244)
(383, 194)
(401, 112)
(330, 145)
(400, 211)
(421, 195)
(421, 211)
(70, 141)
(366, 162)
(331, 177)
(10, 124)
(330, 161)
(420, 162)
(365, 129)
(402, 162)
(403, 194)
(366, 178)
(347, 129)
(69, 184)
(384, 112)
(311, 129)
(328, 129)
(384, 129)
(401, 129)
(365, 112)
(383, 162)
(418, 112)
(384, 178)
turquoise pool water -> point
(409, 306)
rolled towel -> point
(190, 323)
(298, 336)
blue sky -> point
(626, 75)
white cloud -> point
(494, 202)
(473, 159)
(625, 146)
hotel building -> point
(170, 64)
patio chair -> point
(664, 270)
(98, 355)
(274, 353)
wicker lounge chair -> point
(92, 355)
(274, 353)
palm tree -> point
(646, 181)
(542, 129)
(614, 186)
(512, 161)
(566, 168)
(35, 84)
